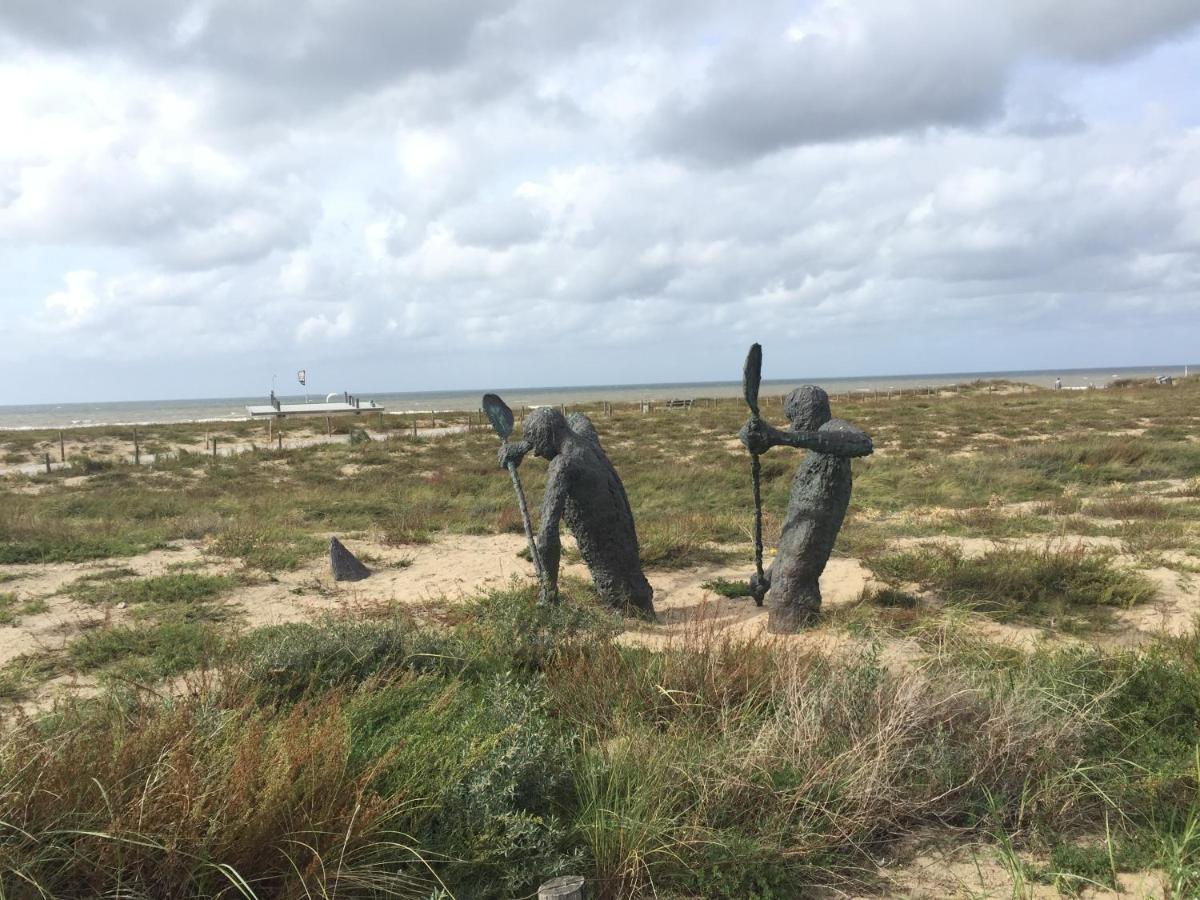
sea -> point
(229, 409)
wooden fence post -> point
(214, 447)
(62, 448)
(47, 463)
(137, 450)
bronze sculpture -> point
(820, 494)
(583, 487)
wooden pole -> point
(62, 448)
(47, 463)
(137, 451)
(213, 441)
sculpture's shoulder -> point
(846, 439)
(583, 426)
(841, 426)
(578, 459)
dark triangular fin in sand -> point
(344, 564)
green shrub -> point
(727, 588)
(291, 660)
(511, 630)
(1018, 583)
(148, 651)
(268, 547)
(485, 773)
(179, 587)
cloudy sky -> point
(429, 194)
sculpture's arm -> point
(549, 544)
(513, 453)
(836, 438)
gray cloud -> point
(413, 197)
(876, 68)
(310, 46)
(1101, 30)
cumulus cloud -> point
(74, 304)
(876, 67)
(417, 194)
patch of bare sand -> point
(1175, 610)
(976, 872)
(687, 611)
(65, 616)
(462, 566)
(445, 571)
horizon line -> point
(808, 379)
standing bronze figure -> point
(819, 496)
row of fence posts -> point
(478, 418)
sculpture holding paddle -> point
(820, 494)
(582, 488)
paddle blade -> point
(499, 415)
(752, 377)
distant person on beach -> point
(583, 487)
(1058, 384)
(819, 497)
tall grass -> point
(1019, 583)
(478, 758)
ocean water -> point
(138, 412)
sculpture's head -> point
(545, 429)
(807, 408)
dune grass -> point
(1047, 584)
(970, 453)
(354, 759)
(504, 743)
(117, 586)
(12, 608)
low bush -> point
(1011, 583)
(350, 759)
(114, 586)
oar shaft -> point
(755, 477)
(533, 551)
